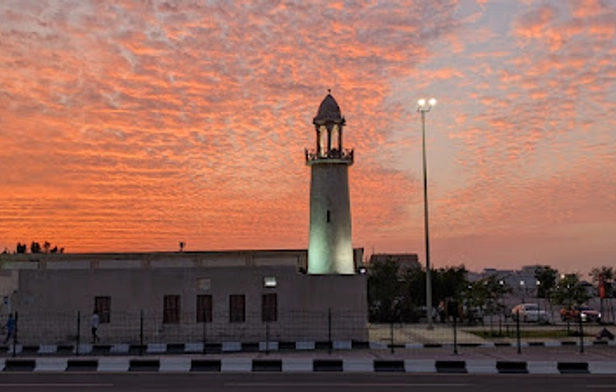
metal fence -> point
(150, 327)
(327, 330)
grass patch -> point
(530, 333)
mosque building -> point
(194, 299)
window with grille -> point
(171, 309)
(102, 305)
(204, 308)
(269, 307)
(237, 308)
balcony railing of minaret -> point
(335, 154)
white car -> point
(530, 313)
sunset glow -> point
(132, 126)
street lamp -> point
(502, 309)
(538, 286)
(423, 108)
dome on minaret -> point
(329, 112)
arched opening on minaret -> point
(335, 138)
(323, 139)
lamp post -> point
(502, 310)
(538, 286)
(523, 291)
(423, 108)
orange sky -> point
(133, 126)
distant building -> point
(522, 281)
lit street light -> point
(538, 286)
(423, 108)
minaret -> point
(330, 249)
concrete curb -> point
(301, 365)
(231, 346)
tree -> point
(20, 248)
(546, 277)
(495, 290)
(35, 247)
(604, 275)
(450, 283)
(486, 295)
(400, 297)
(384, 291)
(414, 286)
(569, 292)
(604, 278)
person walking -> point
(95, 321)
(10, 328)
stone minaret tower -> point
(330, 249)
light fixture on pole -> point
(423, 108)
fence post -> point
(391, 336)
(141, 333)
(15, 335)
(517, 331)
(329, 330)
(267, 332)
(581, 333)
(455, 335)
(204, 332)
(78, 339)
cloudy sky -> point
(131, 126)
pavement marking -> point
(47, 385)
(348, 385)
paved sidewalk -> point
(419, 334)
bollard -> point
(78, 339)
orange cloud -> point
(132, 126)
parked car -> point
(588, 314)
(530, 313)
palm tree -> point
(604, 278)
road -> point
(322, 382)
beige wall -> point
(48, 301)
